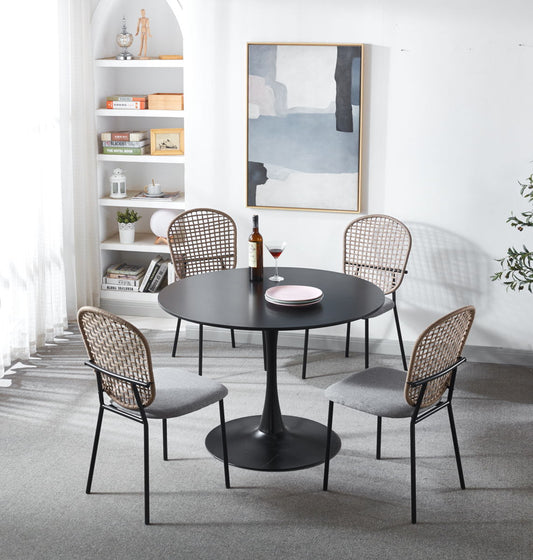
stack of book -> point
(123, 277)
(156, 274)
(127, 102)
(126, 142)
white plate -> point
(299, 304)
(154, 195)
(290, 294)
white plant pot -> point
(126, 233)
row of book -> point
(125, 277)
(126, 142)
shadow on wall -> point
(445, 272)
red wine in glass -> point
(275, 248)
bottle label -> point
(252, 254)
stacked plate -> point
(294, 296)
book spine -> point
(124, 268)
(171, 274)
(125, 143)
(126, 104)
(152, 276)
(126, 136)
(158, 279)
(118, 288)
(124, 276)
(127, 98)
(121, 281)
(147, 276)
(126, 151)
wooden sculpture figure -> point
(144, 26)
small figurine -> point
(144, 26)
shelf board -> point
(138, 63)
(168, 113)
(130, 296)
(144, 243)
(141, 159)
(159, 203)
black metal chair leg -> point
(347, 348)
(146, 475)
(378, 443)
(456, 447)
(400, 339)
(95, 449)
(328, 446)
(413, 473)
(366, 344)
(306, 346)
(224, 443)
(176, 336)
(200, 348)
(165, 440)
(232, 338)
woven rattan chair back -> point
(438, 348)
(117, 346)
(376, 248)
(202, 240)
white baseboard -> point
(321, 341)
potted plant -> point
(517, 267)
(126, 225)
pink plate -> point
(293, 294)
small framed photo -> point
(166, 142)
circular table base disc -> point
(301, 445)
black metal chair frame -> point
(180, 271)
(396, 272)
(416, 417)
(142, 419)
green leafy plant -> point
(517, 266)
(129, 216)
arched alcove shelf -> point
(140, 76)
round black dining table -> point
(270, 441)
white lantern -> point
(117, 183)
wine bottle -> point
(255, 252)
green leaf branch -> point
(517, 266)
(129, 216)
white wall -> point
(447, 134)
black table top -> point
(228, 299)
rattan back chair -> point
(376, 248)
(417, 394)
(202, 240)
(120, 356)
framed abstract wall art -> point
(304, 126)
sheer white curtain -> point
(39, 168)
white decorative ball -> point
(160, 221)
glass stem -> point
(276, 261)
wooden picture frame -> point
(166, 142)
(304, 130)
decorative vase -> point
(126, 232)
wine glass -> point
(275, 248)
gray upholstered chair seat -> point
(378, 391)
(179, 392)
(388, 304)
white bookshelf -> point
(127, 77)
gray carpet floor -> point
(48, 415)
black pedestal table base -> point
(300, 445)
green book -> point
(125, 150)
